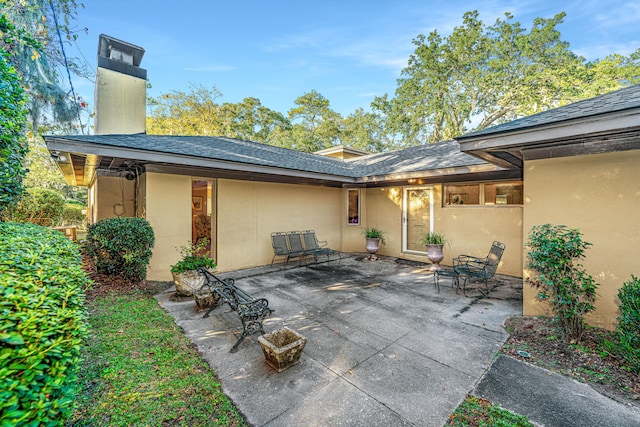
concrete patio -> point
(383, 346)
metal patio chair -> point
(470, 267)
(294, 239)
(281, 248)
(316, 248)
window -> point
(503, 194)
(353, 207)
(483, 194)
(462, 195)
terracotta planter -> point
(188, 282)
(435, 255)
(373, 246)
(282, 348)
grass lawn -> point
(477, 412)
(140, 369)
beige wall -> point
(113, 195)
(120, 103)
(248, 212)
(168, 210)
(600, 195)
(470, 229)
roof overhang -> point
(78, 162)
(616, 131)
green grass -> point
(139, 369)
(477, 412)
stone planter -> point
(205, 298)
(188, 282)
(373, 246)
(435, 255)
(282, 348)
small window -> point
(456, 195)
(353, 207)
(503, 194)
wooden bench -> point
(252, 311)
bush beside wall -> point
(42, 324)
(121, 246)
(629, 323)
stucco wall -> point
(248, 212)
(120, 103)
(470, 229)
(600, 195)
(112, 191)
(168, 210)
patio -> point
(383, 347)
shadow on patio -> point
(383, 347)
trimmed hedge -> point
(121, 246)
(629, 322)
(42, 324)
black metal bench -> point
(252, 311)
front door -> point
(417, 217)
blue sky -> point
(349, 51)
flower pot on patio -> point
(282, 348)
(435, 255)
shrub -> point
(121, 246)
(553, 255)
(42, 324)
(629, 323)
(72, 215)
(193, 257)
(37, 205)
(13, 145)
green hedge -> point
(629, 323)
(37, 205)
(121, 246)
(42, 324)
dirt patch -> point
(106, 284)
(588, 361)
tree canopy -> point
(36, 51)
(481, 75)
(478, 76)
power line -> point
(66, 63)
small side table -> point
(446, 272)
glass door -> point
(417, 217)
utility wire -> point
(66, 63)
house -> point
(577, 165)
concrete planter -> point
(282, 348)
(205, 298)
(188, 282)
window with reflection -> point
(484, 194)
(464, 194)
(353, 207)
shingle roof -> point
(444, 154)
(619, 100)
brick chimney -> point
(121, 88)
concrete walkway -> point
(384, 348)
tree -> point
(197, 112)
(41, 26)
(315, 124)
(484, 75)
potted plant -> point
(375, 238)
(185, 274)
(434, 243)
